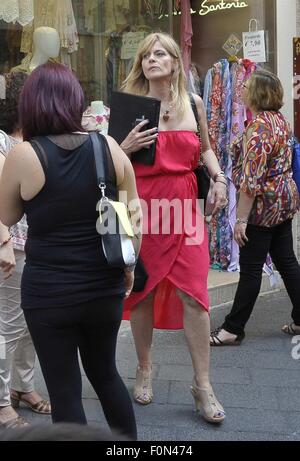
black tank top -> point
(65, 264)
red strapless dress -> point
(175, 258)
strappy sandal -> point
(217, 342)
(290, 330)
(42, 407)
(207, 403)
(15, 423)
(142, 391)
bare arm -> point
(244, 206)
(208, 156)
(7, 257)
(219, 191)
(11, 205)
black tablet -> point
(126, 111)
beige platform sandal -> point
(142, 391)
(208, 405)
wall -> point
(286, 30)
(288, 26)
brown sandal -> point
(42, 407)
(289, 329)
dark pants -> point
(278, 241)
(92, 328)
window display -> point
(98, 38)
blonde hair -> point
(136, 82)
(265, 91)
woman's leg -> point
(141, 320)
(13, 329)
(196, 324)
(97, 350)
(18, 358)
(56, 338)
(283, 256)
(252, 258)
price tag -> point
(254, 46)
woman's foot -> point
(207, 404)
(142, 391)
(221, 337)
(291, 329)
(32, 399)
(9, 418)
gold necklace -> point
(166, 113)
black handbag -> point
(203, 181)
(140, 276)
(201, 172)
(114, 225)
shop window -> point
(98, 37)
(211, 30)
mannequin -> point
(46, 44)
(96, 117)
(97, 107)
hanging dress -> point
(178, 257)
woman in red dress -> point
(174, 248)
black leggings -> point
(278, 241)
(92, 328)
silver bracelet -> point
(221, 173)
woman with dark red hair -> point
(72, 299)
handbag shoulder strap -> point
(196, 115)
(99, 159)
(195, 110)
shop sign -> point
(211, 6)
(221, 5)
(254, 46)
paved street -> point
(257, 382)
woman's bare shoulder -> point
(21, 154)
